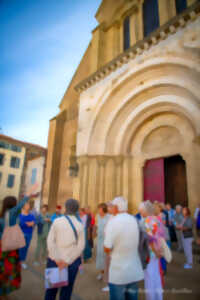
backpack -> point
(198, 221)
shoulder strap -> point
(73, 227)
(7, 219)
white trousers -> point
(152, 281)
(187, 247)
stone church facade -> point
(129, 123)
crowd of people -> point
(129, 248)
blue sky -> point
(42, 42)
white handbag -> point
(167, 254)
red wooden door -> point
(154, 180)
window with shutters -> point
(126, 33)
(150, 16)
(33, 176)
(1, 159)
(181, 5)
(12, 147)
(15, 162)
(4, 145)
(11, 180)
(16, 148)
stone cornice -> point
(190, 14)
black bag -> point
(187, 233)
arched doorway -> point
(130, 123)
(165, 180)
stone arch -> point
(166, 133)
(181, 80)
(121, 130)
(177, 105)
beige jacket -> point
(61, 241)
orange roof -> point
(22, 143)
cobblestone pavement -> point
(179, 283)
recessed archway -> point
(130, 96)
(152, 112)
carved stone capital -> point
(102, 160)
(82, 160)
(118, 160)
(142, 163)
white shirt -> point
(61, 241)
(122, 236)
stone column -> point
(137, 182)
(110, 179)
(172, 8)
(133, 29)
(192, 160)
(83, 177)
(121, 36)
(80, 176)
(93, 186)
(117, 39)
(76, 188)
(139, 22)
(163, 6)
(119, 176)
(102, 163)
(127, 179)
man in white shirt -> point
(122, 241)
(65, 242)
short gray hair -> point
(178, 206)
(148, 207)
(121, 203)
(72, 206)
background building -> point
(129, 123)
(11, 167)
(14, 158)
(35, 174)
